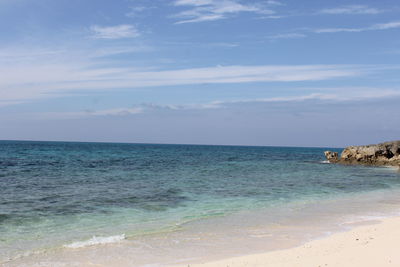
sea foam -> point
(96, 240)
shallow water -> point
(57, 196)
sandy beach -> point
(371, 245)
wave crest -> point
(96, 240)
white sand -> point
(376, 245)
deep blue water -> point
(59, 192)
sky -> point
(230, 72)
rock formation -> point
(331, 156)
(387, 153)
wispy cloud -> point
(114, 32)
(386, 26)
(222, 44)
(273, 17)
(375, 27)
(118, 50)
(352, 10)
(275, 3)
(331, 95)
(287, 36)
(55, 79)
(115, 111)
(210, 10)
(136, 11)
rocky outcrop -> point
(387, 153)
(331, 156)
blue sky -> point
(255, 72)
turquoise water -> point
(54, 194)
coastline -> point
(366, 245)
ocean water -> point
(60, 196)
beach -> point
(368, 246)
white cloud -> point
(136, 11)
(114, 32)
(287, 36)
(55, 79)
(334, 94)
(209, 10)
(386, 26)
(312, 96)
(118, 50)
(273, 17)
(351, 10)
(275, 3)
(201, 18)
(334, 30)
(116, 111)
(222, 44)
(193, 2)
(89, 113)
(329, 95)
(375, 27)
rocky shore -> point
(384, 154)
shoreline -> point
(371, 245)
(256, 250)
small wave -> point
(325, 162)
(366, 219)
(96, 240)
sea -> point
(73, 203)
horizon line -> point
(145, 143)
